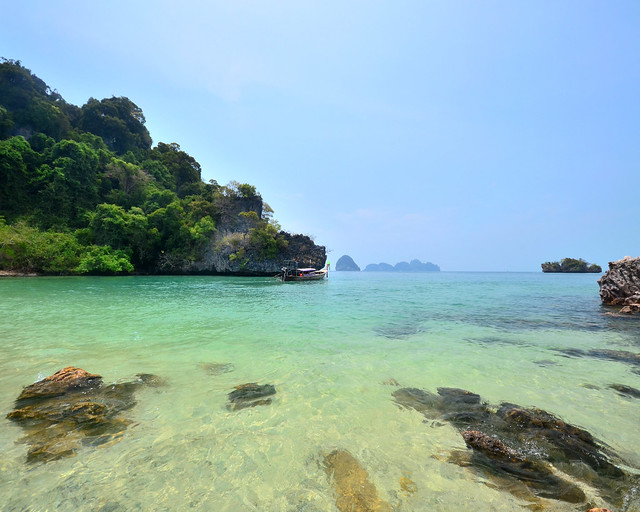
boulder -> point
(63, 381)
(620, 285)
(345, 263)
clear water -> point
(330, 349)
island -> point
(83, 191)
(403, 266)
(346, 264)
(571, 266)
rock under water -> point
(72, 408)
(355, 493)
(521, 444)
(250, 395)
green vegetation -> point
(82, 190)
(570, 265)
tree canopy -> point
(82, 190)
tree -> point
(120, 123)
(16, 162)
(183, 167)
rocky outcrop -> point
(72, 408)
(571, 266)
(346, 263)
(523, 445)
(620, 285)
(234, 250)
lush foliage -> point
(570, 265)
(82, 190)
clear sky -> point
(476, 135)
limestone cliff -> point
(235, 250)
(620, 285)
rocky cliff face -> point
(620, 285)
(231, 251)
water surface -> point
(332, 350)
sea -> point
(334, 351)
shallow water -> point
(329, 348)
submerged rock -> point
(72, 408)
(520, 443)
(217, 368)
(355, 493)
(626, 390)
(620, 284)
(63, 381)
(494, 454)
(250, 395)
(624, 356)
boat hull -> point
(319, 275)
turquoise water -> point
(330, 349)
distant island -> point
(571, 266)
(346, 263)
(403, 266)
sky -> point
(486, 136)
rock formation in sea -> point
(620, 285)
(72, 408)
(346, 263)
(403, 266)
(570, 266)
(521, 449)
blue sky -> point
(476, 135)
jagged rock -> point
(63, 381)
(620, 285)
(355, 493)
(72, 408)
(250, 395)
(543, 437)
(574, 443)
(346, 263)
